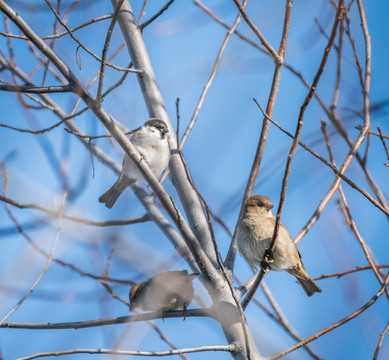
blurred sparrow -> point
(151, 142)
(254, 236)
(171, 290)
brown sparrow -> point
(171, 290)
(254, 236)
(151, 142)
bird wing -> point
(172, 282)
(174, 288)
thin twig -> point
(58, 35)
(178, 119)
(110, 321)
(384, 144)
(158, 14)
(90, 137)
(219, 260)
(335, 120)
(366, 124)
(228, 348)
(338, 16)
(137, 71)
(349, 219)
(340, 274)
(148, 201)
(276, 57)
(54, 213)
(211, 78)
(142, 12)
(64, 263)
(37, 89)
(327, 163)
(336, 93)
(359, 127)
(333, 326)
(352, 42)
(105, 50)
(284, 321)
(365, 249)
(131, 151)
(265, 265)
(380, 341)
(278, 60)
(50, 255)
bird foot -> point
(267, 260)
(142, 157)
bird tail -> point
(109, 197)
(309, 286)
(194, 276)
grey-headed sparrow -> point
(151, 142)
(171, 290)
(254, 235)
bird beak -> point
(164, 131)
(269, 207)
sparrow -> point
(254, 235)
(171, 290)
(151, 142)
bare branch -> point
(383, 143)
(58, 35)
(359, 127)
(137, 71)
(129, 148)
(111, 321)
(354, 229)
(327, 163)
(158, 14)
(55, 213)
(49, 258)
(333, 326)
(228, 348)
(105, 50)
(283, 321)
(381, 340)
(156, 108)
(338, 16)
(268, 253)
(214, 71)
(333, 117)
(37, 89)
(352, 42)
(358, 268)
(154, 213)
(278, 60)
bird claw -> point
(142, 157)
(267, 260)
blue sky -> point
(183, 44)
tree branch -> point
(278, 61)
(110, 321)
(333, 326)
(268, 253)
(37, 89)
(228, 348)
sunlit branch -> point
(228, 348)
(110, 321)
(333, 326)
